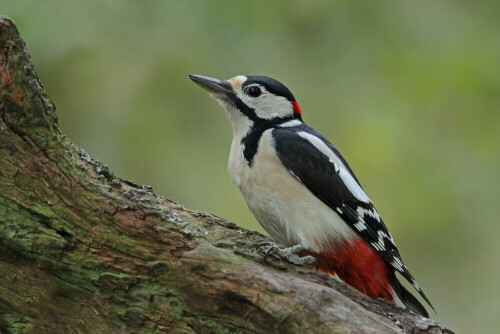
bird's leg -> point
(289, 253)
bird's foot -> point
(289, 253)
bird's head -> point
(254, 98)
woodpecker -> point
(304, 194)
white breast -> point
(284, 207)
(237, 165)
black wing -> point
(323, 170)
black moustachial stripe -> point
(245, 110)
(251, 141)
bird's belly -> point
(285, 208)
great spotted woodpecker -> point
(304, 194)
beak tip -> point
(215, 86)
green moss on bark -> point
(83, 251)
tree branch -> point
(82, 250)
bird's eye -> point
(254, 91)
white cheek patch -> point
(269, 106)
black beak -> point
(212, 85)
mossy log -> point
(84, 251)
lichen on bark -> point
(82, 250)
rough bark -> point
(84, 251)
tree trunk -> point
(82, 250)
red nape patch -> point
(359, 265)
(296, 108)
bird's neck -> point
(248, 133)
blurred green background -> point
(408, 91)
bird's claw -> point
(269, 250)
(272, 246)
(289, 253)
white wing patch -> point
(322, 147)
(353, 186)
(337, 168)
(346, 177)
